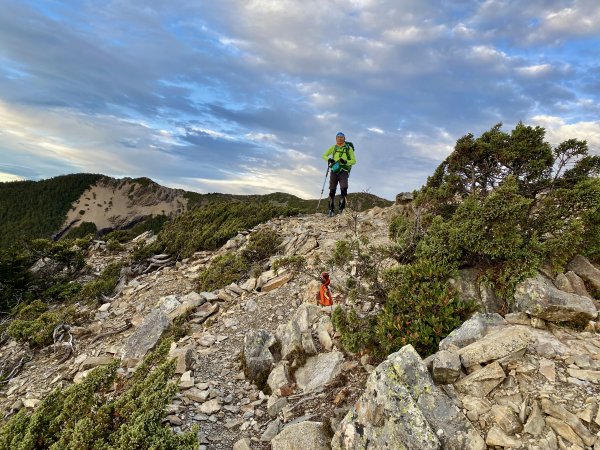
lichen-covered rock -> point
(145, 337)
(402, 408)
(496, 345)
(542, 299)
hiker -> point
(340, 158)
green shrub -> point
(34, 323)
(262, 244)
(142, 251)
(421, 308)
(62, 292)
(114, 246)
(91, 415)
(104, 284)
(209, 227)
(83, 230)
(154, 224)
(223, 270)
(64, 253)
(232, 268)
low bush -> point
(104, 284)
(34, 323)
(93, 415)
(209, 227)
(262, 244)
(223, 270)
(233, 267)
(83, 230)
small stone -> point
(174, 420)
(187, 380)
(506, 419)
(31, 402)
(242, 444)
(271, 431)
(233, 424)
(498, 437)
(210, 407)
(535, 423)
(196, 395)
(548, 369)
(592, 376)
(564, 430)
(587, 414)
(276, 404)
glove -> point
(330, 162)
(342, 160)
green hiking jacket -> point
(345, 152)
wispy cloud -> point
(244, 96)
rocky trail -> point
(260, 366)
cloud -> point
(4, 177)
(558, 130)
(247, 94)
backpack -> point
(337, 168)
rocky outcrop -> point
(586, 270)
(145, 337)
(473, 329)
(470, 287)
(257, 356)
(403, 408)
(539, 297)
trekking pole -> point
(323, 188)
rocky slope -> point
(113, 204)
(260, 366)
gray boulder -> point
(257, 359)
(302, 436)
(402, 408)
(586, 270)
(481, 382)
(472, 330)
(577, 284)
(319, 370)
(542, 299)
(445, 367)
(496, 345)
(470, 287)
(290, 337)
(145, 337)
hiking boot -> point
(331, 213)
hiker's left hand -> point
(342, 160)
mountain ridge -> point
(99, 203)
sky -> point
(244, 96)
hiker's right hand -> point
(330, 162)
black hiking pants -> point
(342, 179)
